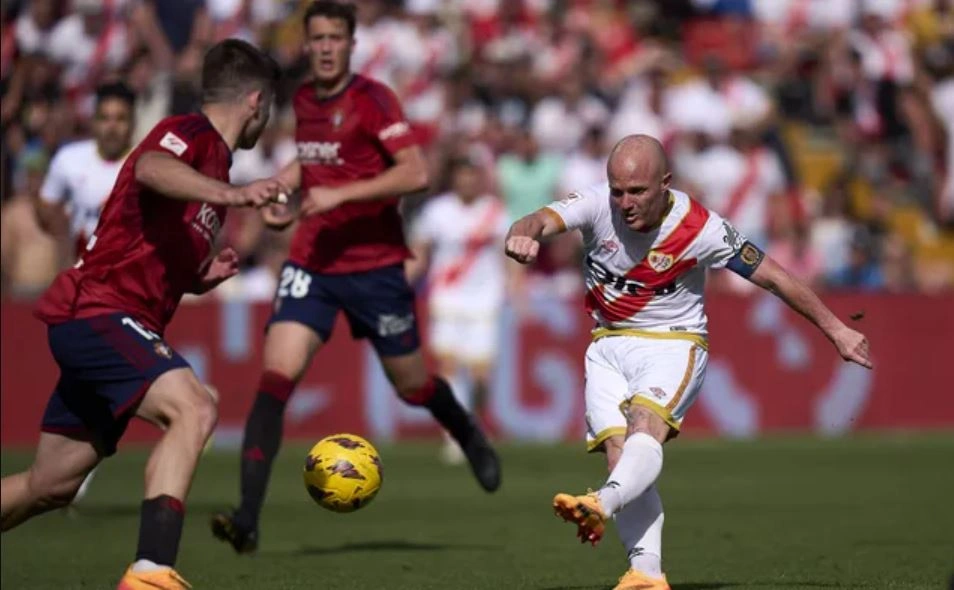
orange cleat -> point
(160, 579)
(586, 512)
(635, 580)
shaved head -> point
(637, 151)
(639, 177)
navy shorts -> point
(107, 364)
(379, 305)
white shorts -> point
(468, 340)
(662, 374)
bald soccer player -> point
(648, 247)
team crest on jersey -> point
(336, 119)
(659, 261)
(162, 349)
(609, 246)
(658, 392)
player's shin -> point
(263, 438)
(637, 469)
(639, 525)
(436, 395)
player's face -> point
(112, 127)
(640, 195)
(260, 103)
(328, 45)
(466, 182)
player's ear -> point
(666, 181)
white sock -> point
(144, 565)
(637, 469)
(639, 524)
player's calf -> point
(408, 375)
(52, 481)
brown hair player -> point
(356, 157)
(106, 315)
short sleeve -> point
(55, 187)
(579, 209)
(720, 245)
(384, 119)
(184, 139)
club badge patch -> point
(659, 261)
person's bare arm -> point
(171, 177)
(407, 175)
(523, 239)
(417, 264)
(851, 345)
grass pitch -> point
(776, 513)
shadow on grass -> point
(373, 546)
(719, 585)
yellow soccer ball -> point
(343, 472)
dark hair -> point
(233, 67)
(117, 90)
(330, 9)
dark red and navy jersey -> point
(148, 249)
(350, 136)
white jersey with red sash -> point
(649, 283)
(467, 272)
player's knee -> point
(614, 449)
(196, 411)
(412, 389)
(640, 419)
(206, 415)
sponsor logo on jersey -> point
(394, 130)
(393, 324)
(609, 246)
(659, 261)
(207, 222)
(173, 143)
(320, 152)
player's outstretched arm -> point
(173, 178)
(851, 345)
(407, 175)
(523, 239)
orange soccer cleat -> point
(586, 512)
(635, 580)
(160, 579)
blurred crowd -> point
(824, 129)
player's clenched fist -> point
(523, 249)
(257, 194)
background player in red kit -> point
(106, 315)
(356, 156)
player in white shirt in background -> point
(456, 240)
(80, 178)
(648, 250)
(82, 173)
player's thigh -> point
(289, 348)
(606, 387)
(61, 464)
(380, 306)
(178, 395)
(303, 316)
(107, 365)
(662, 392)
